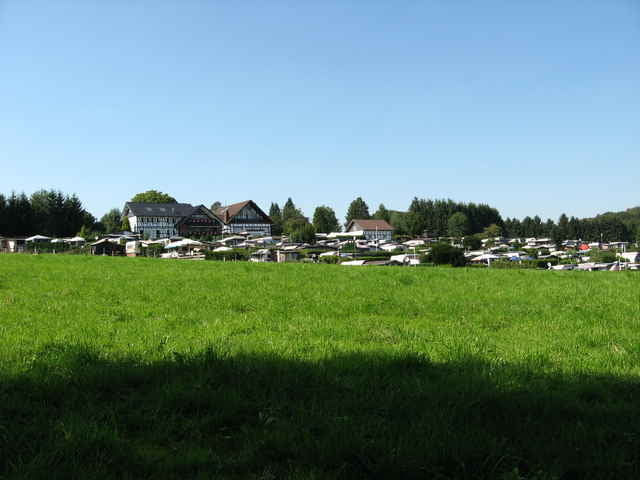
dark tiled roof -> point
(202, 209)
(370, 224)
(159, 209)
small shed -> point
(262, 255)
(283, 256)
(107, 247)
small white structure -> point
(486, 257)
(262, 255)
(283, 256)
(633, 257)
(38, 238)
(414, 243)
(405, 259)
(132, 248)
(353, 263)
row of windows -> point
(165, 220)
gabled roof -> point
(227, 212)
(204, 210)
(380, 225)
(139, 209)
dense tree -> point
(556, 236)
(305, 233)
(46, 212)
(125, 226)
(56, 214)
(458, 225)
(290, 212)
(431, 217)
(472, 242)
(563, 226)
(215, 205)
(276, 217)
(325, 220)
(19, 215)
(112, 221)
(382, 214)
(294, 224)
(358, 210)
(275, 213)
(492, 231)
(153, 196)
(398, 220)
(445, 254)
(3, 215)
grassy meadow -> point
(147, 368)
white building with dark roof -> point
(163, 220)
(373, 229)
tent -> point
(358, 233)
(37, 238)
(184, 243)
(485, 256)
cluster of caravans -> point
(169, 229)
(15, 245)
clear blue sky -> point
(532, 107)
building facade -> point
(373, 229)
(244, 217)
(165, 220)
(200, 222)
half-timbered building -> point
(200, 222)
(163, 220)
(244, 217)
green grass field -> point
(146, 368)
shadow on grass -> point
(77, 414)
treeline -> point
(55, 214)
(439, 218)
(45, 212)
(607, 227)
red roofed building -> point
(244, 217)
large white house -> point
(163, 220)
(373, 229)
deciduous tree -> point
(153, 196)
(458, 225)
(325, 220)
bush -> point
(153, 250)
(602, 256)
(332, 259)
(472, 242)
(529, 264)
(236, 254)
(349, 248)
(46, 247)
(303, 234)
(445, 254)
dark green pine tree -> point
(358, 210)
(276, 217)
